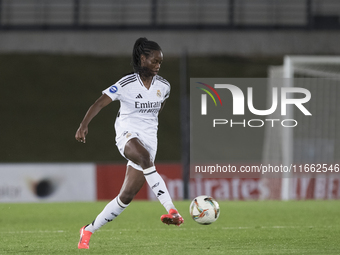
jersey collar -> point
(141, 82)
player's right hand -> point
(81, 134)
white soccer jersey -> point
(139, 106)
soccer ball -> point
(204, 210)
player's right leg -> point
(84, 238)
(110, 212)
(133, 182)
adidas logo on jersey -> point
(139, 96)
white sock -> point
(110, 212)
(158, 187)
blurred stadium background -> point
(56, 56)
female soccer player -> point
(142, 96)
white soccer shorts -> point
(149, 143)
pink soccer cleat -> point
(173, 217)
(84, 239)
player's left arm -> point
(162, 106)
(167, 94)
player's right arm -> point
(94, 109)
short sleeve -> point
(113, 91)
(167, 94)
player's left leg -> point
(138, 154)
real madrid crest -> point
(159, 93)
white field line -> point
(32, 232)
(160, 229)
(223, 228)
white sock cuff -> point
(120, 203)
(149, 170)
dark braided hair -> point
(142, 47)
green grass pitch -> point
(254, 227)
